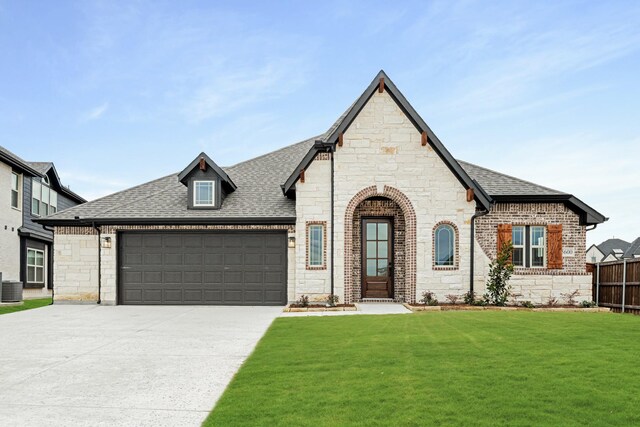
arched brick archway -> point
(409, 285)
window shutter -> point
(554, 246)
(504, 235)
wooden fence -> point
(616, 284)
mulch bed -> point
(461, 307)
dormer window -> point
(207, 183)
(204, 193)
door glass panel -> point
(371, 249)
(382, 267)
(383, 231)
(382, 249)
(371, 231)
(371, 267)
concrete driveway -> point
(139, 366)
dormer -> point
(207, 184)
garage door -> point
(243, 268)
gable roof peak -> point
(202, 161)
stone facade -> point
(382, 156)
(10, 221)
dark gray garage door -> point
(243, 268)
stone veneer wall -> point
(537, 284)
(76, 259)
(382, 155)
(384, 208)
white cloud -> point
(95, 113)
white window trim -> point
(19, 198)
(532, 247)
(322, 243)
(195, 193)
(42, 183)
(523, 245)
(36, 266)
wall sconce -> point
(106, 242)
(292, 241)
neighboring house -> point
(633, 251)
(611, 250)
(375, 208)
(29, 190)
(594, 254)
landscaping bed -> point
(467, 307)
(319, 307)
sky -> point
(120, 93)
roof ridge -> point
(113, 194)
(274, 151)
(510, 176)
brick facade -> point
(380, 208)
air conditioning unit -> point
(11, 291)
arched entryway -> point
(380, 230)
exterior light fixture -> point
(106, 242)
(292, 241)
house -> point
(374, 209)
(613, 250)
(29, 190)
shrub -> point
(303, 301)
(480, 302)
(527, 304)
(588, 304)
(332, 300)
(429, 298)
(469, 297)
(500, 271)
(571, 297)
(453, 299)
(552, 301)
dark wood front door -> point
(377, 258)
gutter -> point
(97, 228)
(478, 214)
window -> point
(315, 242)
(15, 190)
(518, 241)
(538, 246)
(203, 193)
(44, 200)
(36, 194)
(529, 245)
(445, 241)
(35, 266)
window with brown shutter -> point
(554, 246)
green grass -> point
(27, 305)
(445, 368)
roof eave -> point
(83, 222)
(18, 165)
(588, 215)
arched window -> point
(445, 244)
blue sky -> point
(116, 94)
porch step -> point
(386, 300)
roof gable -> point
(202, 162)
(382, 82)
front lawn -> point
(27, 305)
(460, 368)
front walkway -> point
(64, 365)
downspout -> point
(332, 151)
(53, 261)
(478, 214)
(95, 227)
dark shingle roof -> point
(17, 162)
(258, 194)
(499, 184)
(609, 245)
(42, 167)
(633, 250)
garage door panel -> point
(233, 268)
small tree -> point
(500, 271)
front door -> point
(377, 258)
